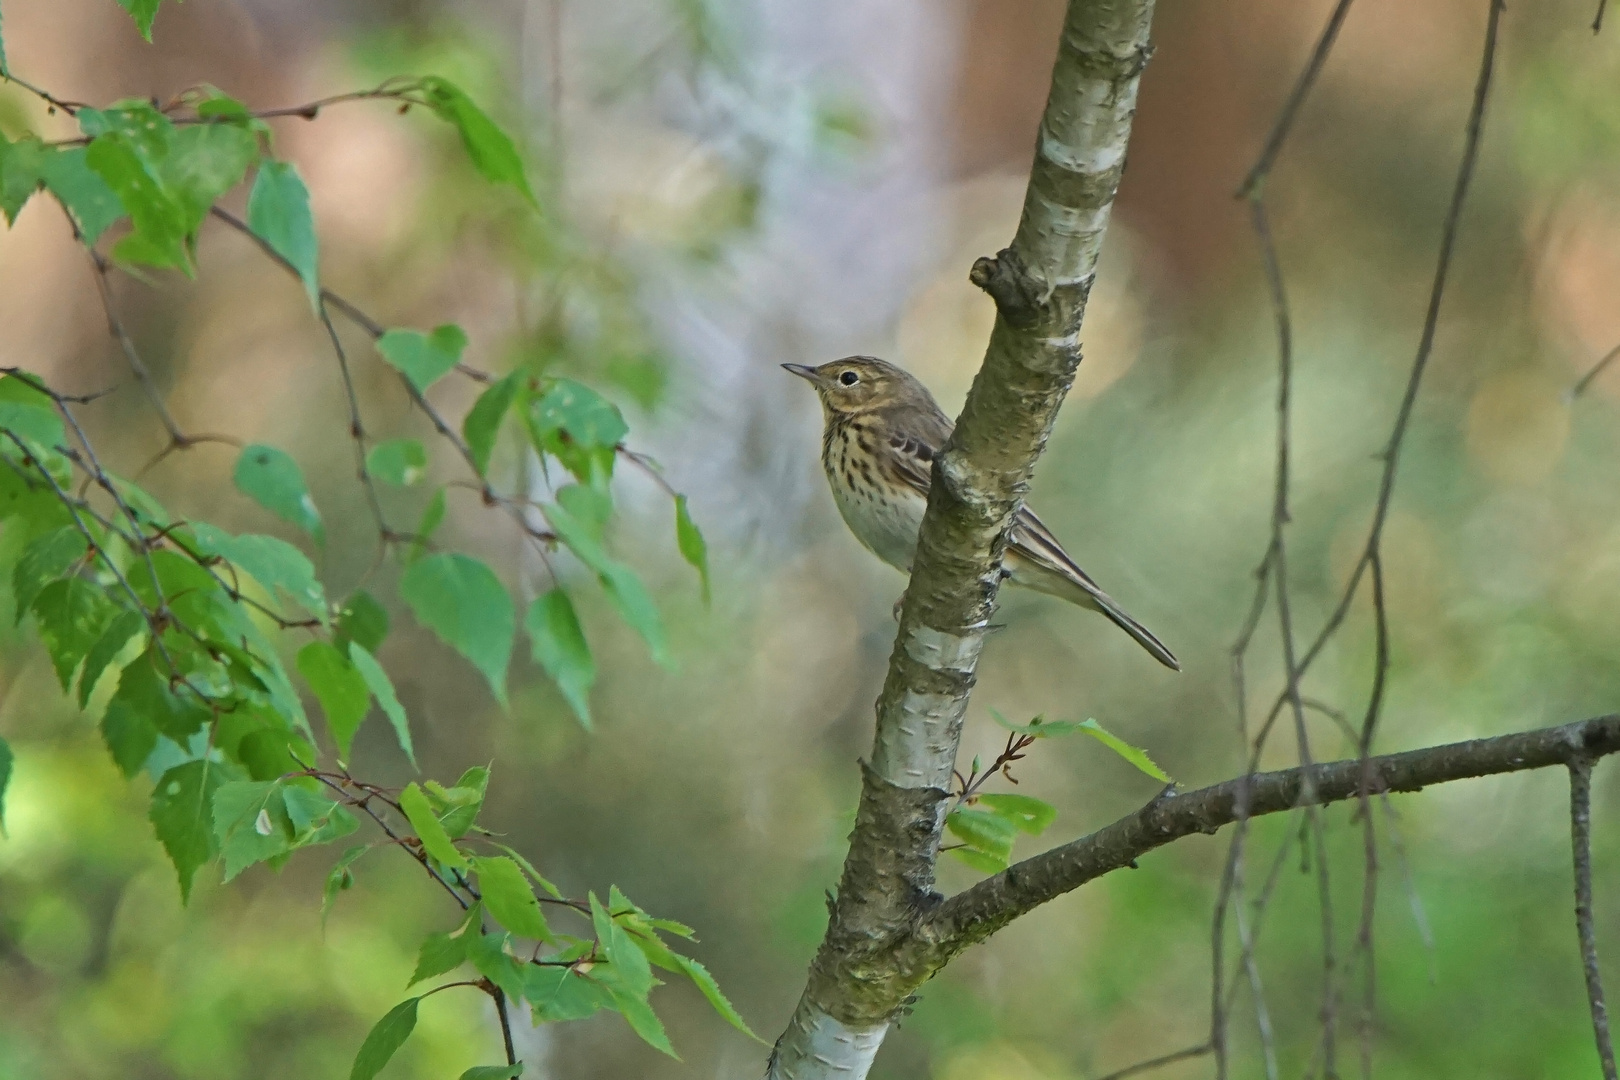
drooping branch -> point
(1580, 821)
(1040, 284)
(978, 912)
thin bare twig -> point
(1159, 1062)
(1597, 369)
(357, 433)
(1580, 818)
(1290, 110)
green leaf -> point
(342, 690)
(508, 898)
(483, 422)
(5, 72)
(72, 615)
(1039, 728)
(435, 841)
(143, 12)
(462, 601)
(271, 478)
(1133, 754)
(423, 358)
(636, 607)
(181, 814)
(493, 1072)
(400, 462)
(127, 152)
(1028, 814)
(561, 993)
(432, 518)
(43, 561)
(981, 861)
(489, 148)
(28, 411)
(339, 879)
(316, 819)
(628, 970)
(278, 213)
(382, 688)
(144, 706)
(458, 806)
(363, 621)
(643, 1021)
(528, 868)
(7, 759)
(441, 952)
(560, 648)
(250, 824)
(711, 991)
(577, 426)
(983, 831)
(205, 161)
(80, 189)
(691, 543)
(488, 954)
(22, 170)
(274, 563)
(387, 1036)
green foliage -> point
(72, 614)
(988, 825)
(382, 688)
(489, 148)
(271, 478)
(423, 359)
(429, 830)
(444, 952)
(400, 462)
(1028, 814)
(690, 541)
(578, 427)
(344, 693)
(81, 190)
(278, 213)
(182, 808)
(143, 12)
(363, 621)
(509, 899)
(987, 836)
(577, 519)
(274, 563)
(1041, 728)
(559, 647)
(386, 1037)
(178, 620)
(493, 1072)
(461, 600)
(164, 177)
(483, 422)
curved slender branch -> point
(1580, 831)
(978, 912)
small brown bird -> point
(883, 429)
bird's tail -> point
(1144, 637)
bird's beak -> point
(808, 373)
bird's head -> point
(858, 384)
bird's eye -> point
(849, 378)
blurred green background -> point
(727, 186)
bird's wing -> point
(915, 437)
(1033, 540)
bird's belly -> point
(886, 526)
